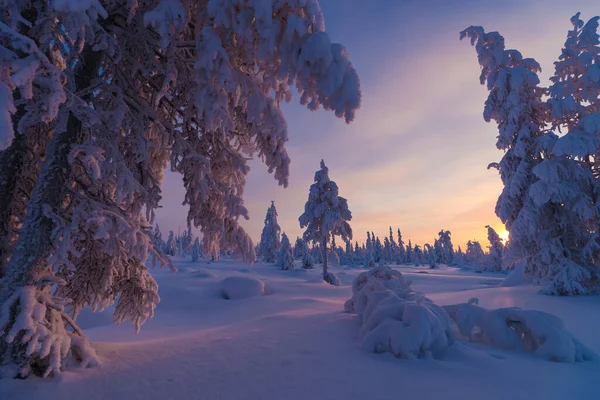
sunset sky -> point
(416, 155)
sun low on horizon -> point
(396, 164)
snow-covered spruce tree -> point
(157, 238)
(444, 247)
(196, 250)
(432, 256)
(417, 255)
(515, 103)
(307, 261)
(285, 259)
(316, 253)
(171, 245)
(300, 248)
(186, 241)
(401, 249)
(496, 250)
(123, 87)
(459, 256)
(326, 214)
(270, 240)
(568, 186)
(474, 256)
(409, 253)
(334, 254)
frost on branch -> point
(41, 324)
(513, 328)
(396, 319)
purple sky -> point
(416, 155)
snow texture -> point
(239, 287)
(396, 319)
(536, 332)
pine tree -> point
(496, 250)
(270, 241)
(325, 215)
(300, 248)
(417, 254)
(285, 259)
(307, 261)
(157, 238)
(550, 202)
(118, 90)
(171, 245)
(401, 249)
(474, 256)
(432, 256)
(409, 253)
(196, 250)
(568, 188)
(444, 248)
(515, 103)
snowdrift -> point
(531, 331)
(239, 287)
(395, 318)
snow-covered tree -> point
(316, 253)
(515, 103)
(196, 250)
(409, 252)
(270, 240)
(333, 259)
(417, 254)
(119, 88)
(443, 247)
(187, 240)
(377, 250)
(568, 189)
(496, 250)
(326, 214)
(401, 249)
(432, 256)
(171, 245)
(550, 201)
(300, 248)
(307, 261)
(474, 256)
(157, 238)
(285, 258)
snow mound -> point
(332, 279)
(239, 287)
(201, 273)
(516, 277)
(397, 319)
(532, 331)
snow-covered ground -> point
(295, 342)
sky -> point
(416, 156)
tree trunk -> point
(325, 274)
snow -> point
(239, 287)
(298, 343)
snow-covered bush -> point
(307, 261)
(332, 279)
(239, 287)
(395, 318)
(513, 328)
